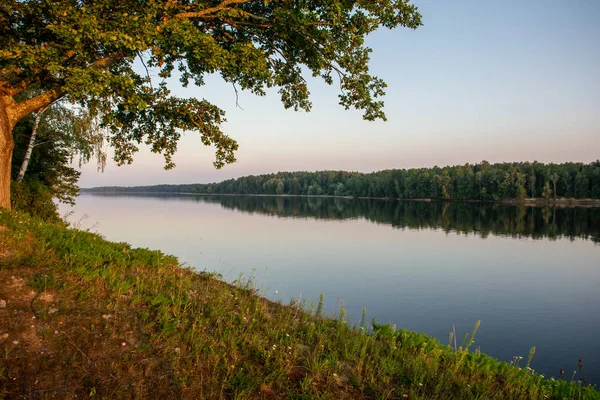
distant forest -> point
(483, 181)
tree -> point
(45, 144)
(280, 188)
(513, 185)
(30, 144)
(70, 129)
(531, 181)
(547, 192)
(445, 184)
(581, 185)
(85, 51)
(554, 178)
(296, 189)
(48, 175)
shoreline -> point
(537, 202)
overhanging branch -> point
(209, 10)
(26, 107)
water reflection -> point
(481, 219)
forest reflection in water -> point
(482, 219)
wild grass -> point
(132, 323)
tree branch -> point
(26, 107)
(237, 98)
(107, 61)
(23, 108)
(146, 68)
(8, 89)
(211, 10)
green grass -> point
(132, 323)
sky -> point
(480, 80)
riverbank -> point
(537, 202)
(84, 316)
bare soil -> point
(54, 346)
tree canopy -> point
(86, 50)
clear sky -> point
(494, 80)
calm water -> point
(531, 275)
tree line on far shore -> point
(482, 181)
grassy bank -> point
(90, 318)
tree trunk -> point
(6, 148)
(10, 113)
(29, 150)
